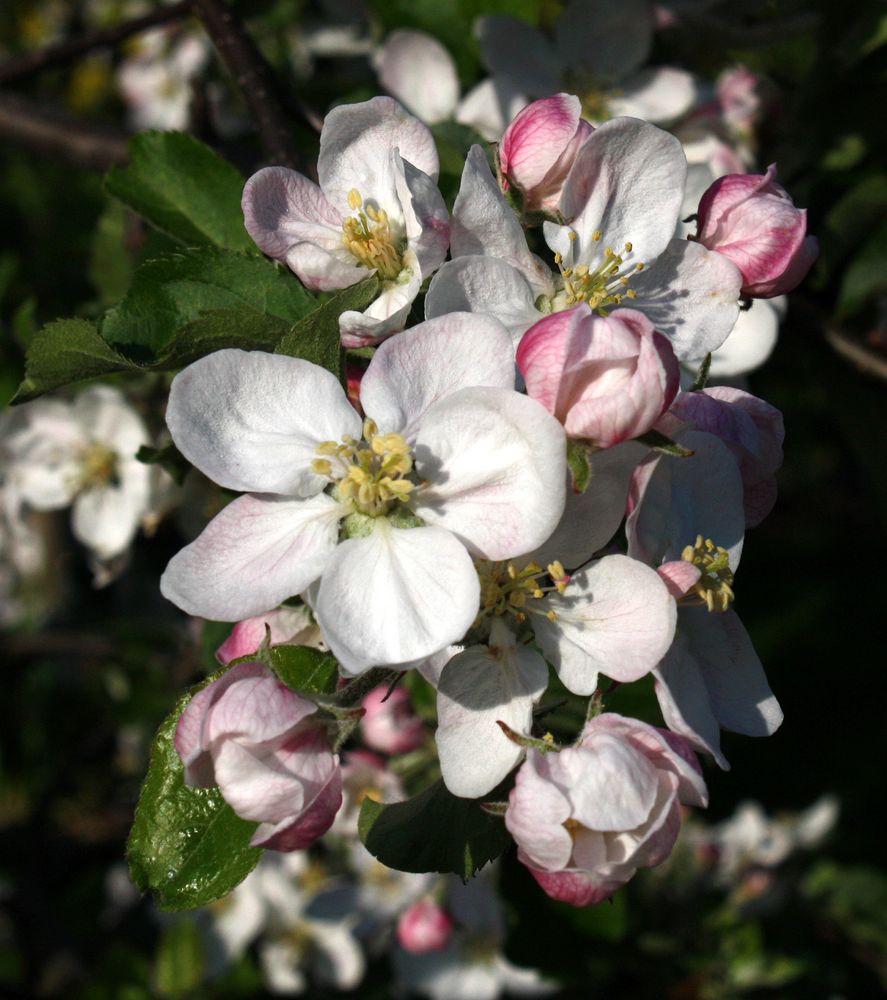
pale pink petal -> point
(252, 556)
(537, 809)
(659, 94)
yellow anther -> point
(640, 266)
(322, 466)
(98, 467)
(558, 258)
(628, 247)
(581, 270)
(631, 293)
(551, 616)
(571, 235)
(597, 236)
(369, 237)
(714, 588)
(354, 199)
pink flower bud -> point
(739, 97)
(287, 626)
(751, 220)
(539, 147)
(424, 927)
(587, 818)
(606, 379)
(390, 725)
(252, 736)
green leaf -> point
(316, 337)
(178, 967)
(186, 845)
(110, 263)
(65, 351)
(579, 461)
(171, 291)
(182, 188)
(220, 328)
(305, 670)
(433, 832)
(663, 443)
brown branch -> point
(28, 63)
(58, 134)
(254, 77)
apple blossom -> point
(623, 198)
(83, 454)
(248, 733)
(425, 926)
(605, 378)
(586, 818)
(599, 48)
(538, 149)
(365, 775)
(389, 723)
(752, 220)
(450, 463)
(286, 626)
(377, 210)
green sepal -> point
(579, 461)
(664, 444)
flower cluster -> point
(458, 514)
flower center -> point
(506, 589)
(98, 467)
(368, 236)
(371, 477)
(714, 588)
(602, 285)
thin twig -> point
(254, 77)
(28, 63)
(58, 134)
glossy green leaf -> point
(182, 188)
(304, 669)
(217, 329)
(186, 846)
(175, 289)
(433, 832)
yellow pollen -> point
(551, 616)
(509, 589)
(602, 285)
(98, 467)
(369, 236)
(371, 478)
(714, 588)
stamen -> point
(714, 588)
(368, 236)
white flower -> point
(622, 199)
(377, 210)
(451, 463)
(81, 453)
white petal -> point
(41, 445)
(254, 554)
(681, 498)
(628, 184)
(485, 224)
(411, 372)
(750, 342)
(355, 150)
(604, 40)
(495, 465)
(616, 616)
(385, 315)
(107, 519)
(108, 419)
(426, 219)
(484, 285)
(490, 106)
(252, 421)
(691, 295)
(417, 70)
(396, 596)
(478, 688)
(519, 54)
(591, 518)
(660, 94)
(612, 786)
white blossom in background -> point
(416, 69)
(156, 78)
(57, 454)
(598, 52)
